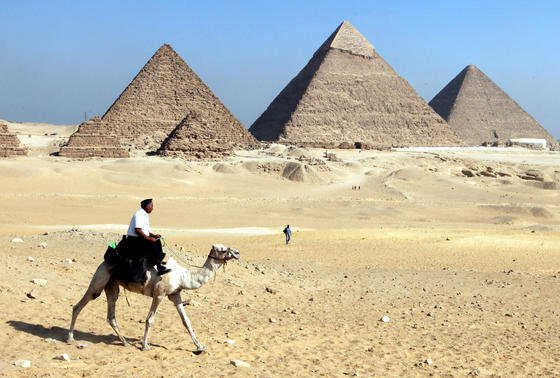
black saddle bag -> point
(111, 256)
(129, 264)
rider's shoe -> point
(161, 270)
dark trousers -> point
(138, 247)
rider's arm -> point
(143, 234)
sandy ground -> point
(40, 138)
(466, 268)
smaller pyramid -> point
(9, 143)
(93, 139)
(211, 137)
(480, 112)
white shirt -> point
(140, 219)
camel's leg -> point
(156, 300)
(96, 286)
(178, 302)
(112, 293)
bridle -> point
(223, 260)
(217, 258)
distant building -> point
(539, 144)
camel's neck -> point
(195, 279)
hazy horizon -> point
(63, 59)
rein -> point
(176, 255)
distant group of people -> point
(355, 187)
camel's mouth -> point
(234, 253)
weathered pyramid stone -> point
(93, 138)
(207, 138)
(347, 96)
(9, 143)
(479, 111)
(158, 98)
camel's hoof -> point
(70, 340)
(146, 347)
(199, 351)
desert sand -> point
(466, 268)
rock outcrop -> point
(481, 112)
(348, 96)
(9, 143)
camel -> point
(155, 286)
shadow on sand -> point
(60, 334)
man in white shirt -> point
(140, 238)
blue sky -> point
(63, 58)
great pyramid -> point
(202, 138)
(93, 139)
(347, 95)
(158, 98)
(479, 111)
(9, 143)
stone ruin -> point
(213, 136)
(93, 139)
(481, 113)
(9, 143)
(347, 96)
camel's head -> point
(222, 253)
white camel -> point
(157, 287)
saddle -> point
(129, 264)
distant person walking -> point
(288, 233)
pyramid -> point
(347, 96)
(479, 111)
(158, 98)
(93, 139)
(207, 138)
(9, 143)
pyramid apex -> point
(347, 38)
(472, 67)
(165, 47)
(473, 71)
